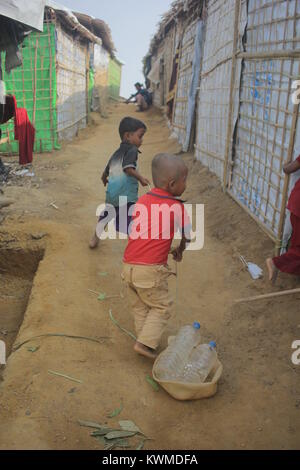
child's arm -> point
(291, 167)
(105, 174)
(133, 172)
(178, 252)
(104, 178)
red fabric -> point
(290, 261)
(294, 200)
(154, 233)
(24, 133)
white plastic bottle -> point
(172, 361)
(200, 363)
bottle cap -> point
(213, 344)
(196, 325)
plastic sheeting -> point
(188, 81)
(71, 85)
(264, 129)
(194, 84)
(29, 12)
(34, 86)
(214, 94)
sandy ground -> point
(258, 401)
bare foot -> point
(271, 269)
(94, 242)
(144, 350)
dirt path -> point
(258, 402)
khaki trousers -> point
(148, 293)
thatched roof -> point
(178, 8)
(98, 28)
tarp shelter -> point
(114, 77)
(29, 12)
(55, 82)
(245, 122)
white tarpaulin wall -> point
(214, 94)
(265, 125)
(29, 12)
(71, 85)
(184, 80)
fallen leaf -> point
(117, 434)
(101, 432)
(141, 445)
(129, 426)
(102, 296)
(116, 412)
(91, 424)
(123, 443)
(152, 382)
(33, 349)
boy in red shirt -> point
(157, 217)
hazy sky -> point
(133, 23)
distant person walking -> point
(143, 97)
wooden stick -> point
(269, 296)
(228, 147)
(35, 80)
(284, 54)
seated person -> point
(142, 97)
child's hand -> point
(104, 180)
(144, 181)
(177, 254)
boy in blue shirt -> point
(121, 175)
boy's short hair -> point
(166, 166)
(129, 124)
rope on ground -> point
(121, 328)
(61, 335)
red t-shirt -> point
(156, 218)
(294, 200)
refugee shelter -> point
(104, 63)
(114, 77)
(55, 83)
(235, 66)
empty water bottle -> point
(172, 361)
(200, 363)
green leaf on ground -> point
(102, 296)
(141, 445)
(91, 424)
(33, 349)
(118, 434)
(129, 426)
(116, 412)
(152, 382)
(102, 432)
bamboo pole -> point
(50, 89)
(232, 82)
(34, 83)
(283, 54)
(177, 76)
(269, 296)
